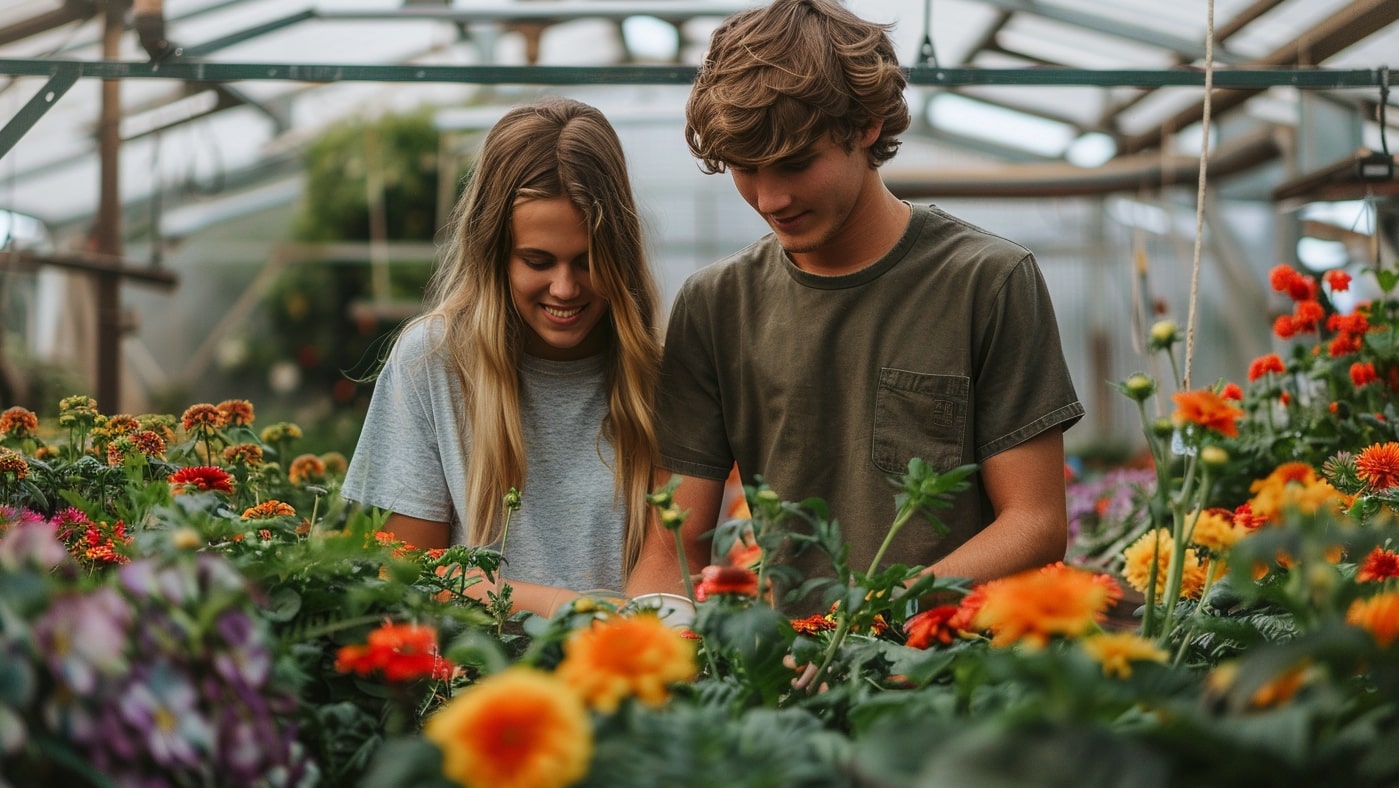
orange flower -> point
(18, 423)
(736, 580)
(1264, 365)
(243, 454)
(628, 656)
(201, 418)
(1292, 485)
(1378, 465)
(1033, 606)
(1117, 651)
(814, 624)
(200, 478)
(306, 468)
(1157, 549)
(401, 652)
(1207, 409)
(236, 412)
(1380, 565)
(520, 728)
(12, 462)
(931, 626)
(1378, 615)
(268, 509)
(1215, 531)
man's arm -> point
(1025, 484)
(658, 568)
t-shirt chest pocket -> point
(919, 415)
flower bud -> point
(1164, 333)
(672, 517)
(1163, 428)
(1139, 386)
(1214, 457)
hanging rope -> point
(1200, 198)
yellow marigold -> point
(306, 468)
(626, 656)
(1293, 485)
(520, 728)
(1215, 530)
(268, 509)
(1156, 548)
(1116, 651)
(1377, 465)
(236, 412)
(1033, 606)
(1378, 615)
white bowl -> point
(675, 610)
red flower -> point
(200, 478)
(1344, 344)
(1378, 465)
(1379, 565)
(1245, 518)
(1265, 364)
(1232, 391)
(1337, 280)
(931, 626)
(716, 579)
(1363, 373)
(401, 652)
(1285, 327)
(1308, 315)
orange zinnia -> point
(1033, 606)
(520, 728)
(627, 656)
(1378, 465)
(268, 509)
(1378, 615)
(931, 626)
(306, 468)
(201, 418)
(1207, 409)
(18, 422)
(236, 412)
(1292, 485)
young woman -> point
(532, 368)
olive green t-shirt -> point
(946, 349)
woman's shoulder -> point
(418, 340)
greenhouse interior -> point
(218, 216)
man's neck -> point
(871, 230)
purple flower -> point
(147, 578)
(163, 706)
(84, 636)
(31, 542)
(245, 660)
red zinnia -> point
(1285, 327)
(932, 626)
(1379, 565)
(200, 478)
(1308, 315)
(716, 579)
(401, 652)
(1232, 391)
(1344, 344)
(1265, 364)
(1378, 465)
(1363, 373)
(1337, 280)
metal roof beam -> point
(70, 11)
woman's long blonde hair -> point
(552, 148)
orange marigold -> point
(1208, 410)
(1116, 651)
(1378, 615)
(616, 658)
(306, 468)
(1292, 485)
(1031, 607)
(268, 509)
(1379, 565)
(1378, 465)
(18, 423)
(201, 418)
(520, 728)
(236, 412)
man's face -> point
(809, 199)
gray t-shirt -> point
(412, 455)
(945, 349)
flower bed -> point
(189, 602)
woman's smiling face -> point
(550, 281)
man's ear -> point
(870, 134)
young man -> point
(862, 332)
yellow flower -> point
(1156, 548)
(1293, 485)
(627, 656)
(1215, 530)
(1033, 606)
(1118, 650)
(1378, 615)
(520, 728)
